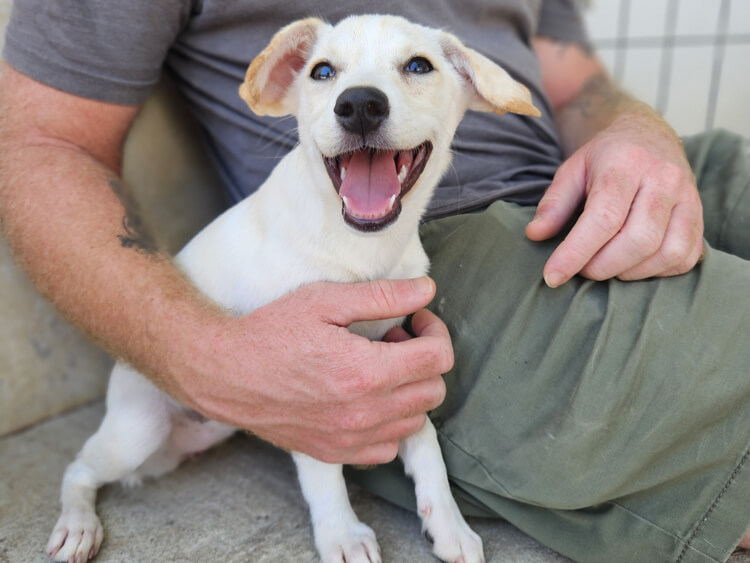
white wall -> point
(688, 58)
(4, 14)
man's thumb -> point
(560, 201)
(379, 299)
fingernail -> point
(536, 219)
(554, 279)
(423, 285)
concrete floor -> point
(237, 503)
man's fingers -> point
(343, 304)
(397, 334)
(560, 201)
(419, 397)
(427, 355)
(375, 454)
(380, 390)
(395, 430)
(640, 238)
(606, 210)
(679, 252)
(397, 416)
(410, 361)
(351, 444)
(427, 323)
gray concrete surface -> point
(237, 503)
(47, 366)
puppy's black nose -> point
(362, 109)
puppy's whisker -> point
(283, 139)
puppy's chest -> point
(289, 273)
(255, 253)
(262, 273)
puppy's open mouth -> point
(372, 182)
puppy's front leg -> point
(453, 540)
(339, 535)
(130, 432)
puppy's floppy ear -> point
(271, 74)
(494, 89)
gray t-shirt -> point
(116, 51)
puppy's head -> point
(377, 100)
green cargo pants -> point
(610, 421)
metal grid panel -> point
(690, 59)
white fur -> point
(291, 233)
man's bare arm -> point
(62, 212)
(642, 215)
(67, 216)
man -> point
(573, 413)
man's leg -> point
(714, 158)
(721, 162)
(611, 421)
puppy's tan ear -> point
(269, 78)
(494, 89)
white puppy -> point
(377, 100)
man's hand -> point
(292, 373)
(642, 215)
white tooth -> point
(393, 200)
(402, 174)
(343, 173)
(346, 201)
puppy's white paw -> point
(453, 540)
(352, 542)
(77, 536)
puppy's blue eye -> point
(418, 65)
(323, 71)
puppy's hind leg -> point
(339, 535)
(136, 424)
(452, 538)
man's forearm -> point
(64, 217)
(599, 104)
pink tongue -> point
(370, 183)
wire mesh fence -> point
(690, 59)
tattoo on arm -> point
(595, 107)
(585, 98)
(598, 97)
(136, 234)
